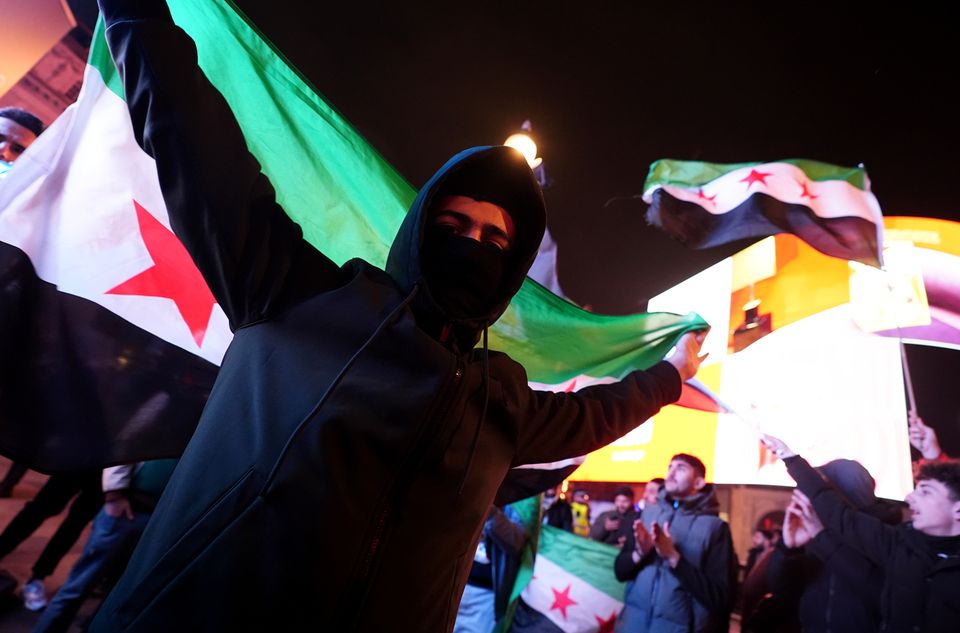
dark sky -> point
(609, 90)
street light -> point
(524, 143)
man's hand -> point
(795, 533)
(805, 511)
(663, 543)
(116, 505)
(923, 438)
(611, 524)
(778, 446)
(643, 537)
(686, 355)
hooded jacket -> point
(697, 595)
(836, 588)
(354, 440)
(920, 573)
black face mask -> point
(463, 275)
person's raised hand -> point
(794, 532)
(808, 515)
(663, 543)
(922, 437)
(686, 355)
(643, 538)
(777, 446)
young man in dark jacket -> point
(678, 560)
(835, 587)
(920, 560)
(348, 387)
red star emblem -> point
(806, 192)
(703, 196)
(756, 176)
(561, 600)
(606, 626)
(571, 386)
(173, 276)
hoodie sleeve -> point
(866, 533)
(555, 426)
(223, 209)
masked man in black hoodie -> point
(350, 387)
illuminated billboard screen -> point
(806, 347)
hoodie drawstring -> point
(483, 412)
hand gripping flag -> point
(111, 341)
(706, 204)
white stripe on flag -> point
(566, 600)
(785, 182)
(70, 208)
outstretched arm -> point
(555, 426)
(221, 206)
(867, 534)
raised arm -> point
(223, 209)
(867, 534)
(554, 426)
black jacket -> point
(921, 586)
(339, 423)
(695, 596)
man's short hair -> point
(626, 491)
(946, 472)
(24, 118)
(693, 462)
(657, 480)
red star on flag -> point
(571, 386)
(806, 192)
(756, 176)
(172, 276)
(606, 626)
(703, 196)
(562, 600)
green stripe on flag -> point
(100, 59)
(590, 561)
(350, 201)
(690, 174)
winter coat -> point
(611, 537)
(921, 585)
(354, 440)
(695, 596)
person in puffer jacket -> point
(678, 561)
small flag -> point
(706, 204)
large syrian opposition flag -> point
(707, 204)
(112, 341)
(572, 589)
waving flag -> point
(706, 204)
(572, 588)
(112, 341)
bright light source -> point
(526, 146)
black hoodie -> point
(346, 459)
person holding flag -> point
(341, 383)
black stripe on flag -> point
(83, 388)
(762, 215)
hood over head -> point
(852, 480)
(495, 174)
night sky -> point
(611, 90)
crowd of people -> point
(372, 390)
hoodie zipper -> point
(431, 420)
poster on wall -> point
(807, 347)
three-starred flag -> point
(572, 588)
(706, 204)
(83, 224)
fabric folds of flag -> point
(706, 204)
(572, 587)
(113, 341)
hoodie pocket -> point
(228, 508)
